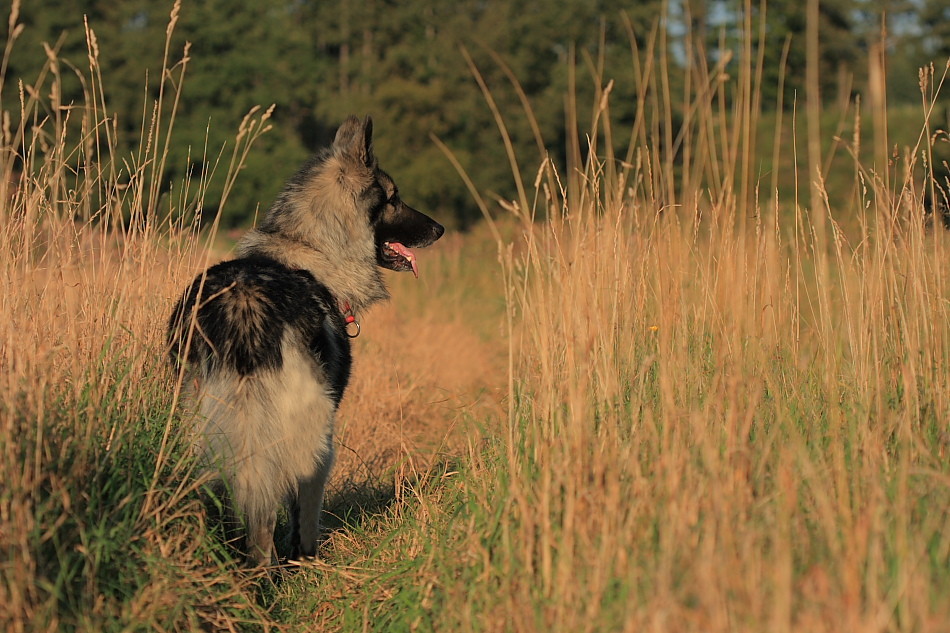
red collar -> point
(350, 319)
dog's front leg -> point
(309, 505)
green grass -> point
(109, 538)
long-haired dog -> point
(263, 339)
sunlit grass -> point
(728, 404)
(100, 523)
(724, 404)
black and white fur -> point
(261, 340)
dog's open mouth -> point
(398, 257)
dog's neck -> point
(353, 281)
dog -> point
(262, 342)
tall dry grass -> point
(728, 400)
(99, 521)
(728, 412)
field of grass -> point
(691, 397)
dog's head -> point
(397, 227)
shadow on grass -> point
(351, 502)
(348, 507)
(355, 502)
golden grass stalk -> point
(729, 409)
(97, 525)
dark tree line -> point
(402, 62)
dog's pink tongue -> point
(408, 254)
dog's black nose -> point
(437, 231)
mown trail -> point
(429, 368)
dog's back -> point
(269, 360)
(242, 309)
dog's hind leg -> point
(258, 507)
(260, 539)
(257, 497)
(309, 504)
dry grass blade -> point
(99, 518)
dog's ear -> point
(354, 139)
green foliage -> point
(403, 64)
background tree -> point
(319, 61)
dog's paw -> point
(303, 560)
